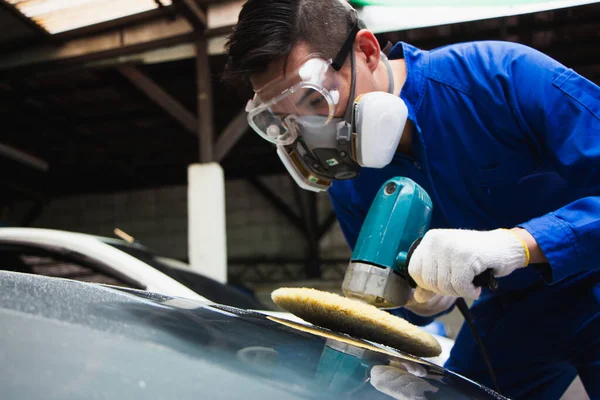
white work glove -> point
(428, 303)
(447, 260)
(401, 384)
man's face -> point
(280, 76)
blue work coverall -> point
(506, 136)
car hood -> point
(63, 339)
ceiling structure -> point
(57, 16)
(112, 101)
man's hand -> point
(427, 304)
(400, 383)
(447, 260)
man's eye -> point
(316, 101)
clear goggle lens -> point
(277, 121)
(316, 94)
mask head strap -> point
(339, 60)
(349, 108)
(341, 56)
(389, 73)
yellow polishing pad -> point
(357, 319)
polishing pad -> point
(357, 319)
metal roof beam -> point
(212, 151)
(117, 41)
(23, 158)
(231, 135)
(160, 97)
(115, 46)
(130, 20)
(113, 43)
(194, 14)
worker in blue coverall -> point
(505, 140)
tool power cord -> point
(464, 310)
(485, 279)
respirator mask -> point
(302, 115)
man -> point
(503, 138)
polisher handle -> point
(484, 279)
(409, 254)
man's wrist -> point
(536, 255)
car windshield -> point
(89, 341)
(215, 291)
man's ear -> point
(367, 47)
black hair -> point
(267, 30)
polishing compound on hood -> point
(357, 319)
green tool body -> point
(399, 215)
(378, 272)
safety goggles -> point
(277, 111)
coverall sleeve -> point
(351, 220)
(561, 112)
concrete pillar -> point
(206, 220)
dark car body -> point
(65, 339)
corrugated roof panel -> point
(64, 15)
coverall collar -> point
(417, 63)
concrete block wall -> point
(254, 227)
(157, 218)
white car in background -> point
(96, 259)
